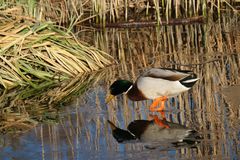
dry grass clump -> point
(37, 54)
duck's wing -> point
(167, 74)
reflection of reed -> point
(23, 114)
(211, 51)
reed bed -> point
(74, 12)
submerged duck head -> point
(119, 87)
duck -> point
(157, 84)
(154, 134)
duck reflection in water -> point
(156, 133)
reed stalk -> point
(71, 13)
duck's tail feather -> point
(190, 80)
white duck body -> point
(157, 82)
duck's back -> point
(158, 82)
(166, 73)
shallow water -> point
(211, 107)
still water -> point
(211, 107)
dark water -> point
(211, 107)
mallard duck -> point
(153, 133)
(157, 84)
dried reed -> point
(74, 12)
(34, 54)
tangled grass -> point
(39, 54)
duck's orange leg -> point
(156, 102)
(161, 108)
